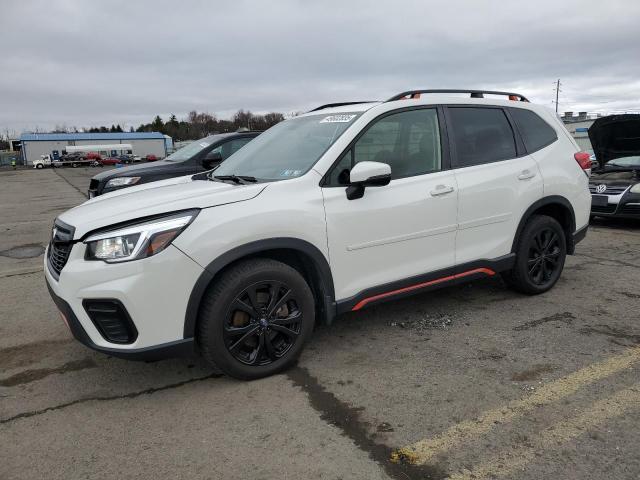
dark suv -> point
(198, 156)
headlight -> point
(635, 188)
(122, 182)
(137, 241)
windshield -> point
(289, 149)
(626, 162)
(188, 151)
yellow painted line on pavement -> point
(506, 464)
(423, 450)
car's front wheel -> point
(255, 319)
(540, 256)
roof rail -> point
(474, 94)
(340, 104)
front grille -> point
(633, 209)
(603, 209)
(60, 247)
(609, 189)
(58, 256)
(112, 320)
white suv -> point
(331, 211)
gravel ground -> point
(473, 381)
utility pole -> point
(556, 87)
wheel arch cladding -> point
(556, 207)
(300, 254)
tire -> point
(74, 165)
(238, 334)
(540, 256)
(39, 166)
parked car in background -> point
(109, 161)
(615, 180)
(328, 212)
(198, 156)
(92, 156)
(151, 158)
(126, 158)
(73, 156)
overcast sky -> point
(81, 63)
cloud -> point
(92, 63)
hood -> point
(614, 179)
(615, 136)
(130, 170)
(155, 198)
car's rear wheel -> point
(540, 256)
(255, 319)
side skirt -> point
(429, 281)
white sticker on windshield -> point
(338, 119)
(290, 173)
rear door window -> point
(535, 132)
(481, 135)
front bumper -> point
(154, 291)
(623, 205)
(177, 348)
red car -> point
(92, 156)
(151, 158)
(109, 161)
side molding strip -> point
(362, 303)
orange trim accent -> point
(64, 319)
(362, 303)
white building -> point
(579, 130)
(55, 144)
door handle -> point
(526, 175)
(441, 190)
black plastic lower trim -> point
(178, 348)
(579, 235)
(429, 281)
(317, 259)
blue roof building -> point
(33, 145)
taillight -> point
(584, 160)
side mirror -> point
(211, 159)
(367, 174)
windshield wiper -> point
(238, 179)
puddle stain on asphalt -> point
(614, 333)
(29, 353)
(565, 317)
(107, 398)
(347, 419)
(38, 374)
(492, 354)
(19, 274)
(533, 373)
(31, 250)
(630, 295)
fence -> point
(7, 157)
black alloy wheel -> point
(544, 256)
(255, 318)
(262, 323)
(540, 254)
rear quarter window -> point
(535, 132)
(481, 135)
